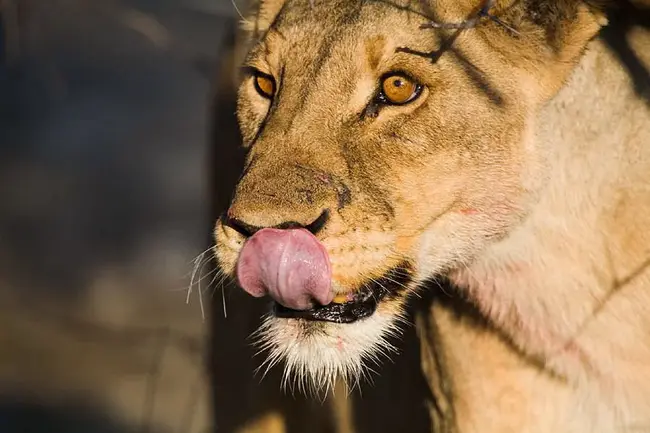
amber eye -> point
(398, 89)
(264, 84)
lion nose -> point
(249, 230)
(290, 265)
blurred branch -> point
(148, 26)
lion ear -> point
(565, 26)
(261, 16)
(552, 35)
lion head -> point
(383, 151)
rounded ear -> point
(551, 37)
(568, 25)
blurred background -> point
(104, 203)
(118, 149)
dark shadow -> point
(623, 17)
(396, 401)
(32, 417)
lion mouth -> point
(363, 304)
(359, 305)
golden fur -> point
(521, 175)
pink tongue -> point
(291, 266)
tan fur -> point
(522, 174)
(268, 423)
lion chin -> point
(316, 354)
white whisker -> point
(223, 299)
(197, 277)
(238, 11)
(197, 266)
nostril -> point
(314, 227)
(318, 224)
(239, 226)
(249, 230)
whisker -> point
(197, 266)
(218, 274)
(238, 11)
(223, 299)
(200, 294)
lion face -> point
(380, 155)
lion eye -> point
(264, 84)
(398, 89)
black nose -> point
(248, 230)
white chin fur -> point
(316, 354)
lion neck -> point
(543, 282)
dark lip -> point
(363, 305)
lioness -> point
(497, 145)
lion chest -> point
(517, 296)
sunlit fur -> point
(316, 356)
(521, 173)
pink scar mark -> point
(339, 344)
(324, 178)
(468, 211)
(573, 350)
